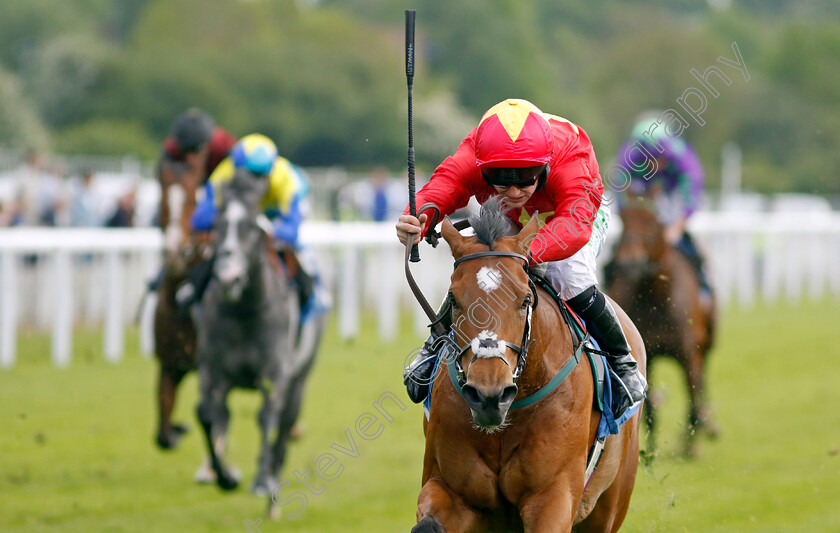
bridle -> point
(446, 343)
(520, 349)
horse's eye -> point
(453, 303)
(526, 302)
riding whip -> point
(409, 76)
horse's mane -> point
(491, 222)
(639, 202)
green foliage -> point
(110, 137)
(326, 79)
(20, 126)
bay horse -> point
(488, 465)
(248, 335)
(659, 289)
(174, 331)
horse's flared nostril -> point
(474, 397)
(498, 398)
(508, 395)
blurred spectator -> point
(42, 191)
(378, 198)
(123, 216)
(85, 204)
(11, 212)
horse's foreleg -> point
(698, 412)
(439, 510)
(212, 415)
(288, 417)
(269, 421)
(549, 511)
(650, 414)
(168, 433)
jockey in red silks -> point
(189, 155)
(534, 162)
(193, 149)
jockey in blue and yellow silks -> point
(287, 188)
(282, 203)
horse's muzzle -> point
(489, 406)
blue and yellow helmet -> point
(256, 153)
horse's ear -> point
(527, 233)
(451, 235)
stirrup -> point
(419, 375)
(623, 398)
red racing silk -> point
(219, 146)
(567, 204)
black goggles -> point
(513, 177)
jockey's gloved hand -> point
(286, 232)
(287, 225)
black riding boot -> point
(418, 375)
(603, 324)
(305, 285)
(689, 249)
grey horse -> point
(247, 324)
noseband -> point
(520, 349)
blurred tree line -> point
(326, 78)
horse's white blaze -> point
(235, 213)
(487, 345)
(172, 232)
(489, 279)
(229, 269)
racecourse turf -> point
(77, 452)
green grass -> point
(77, 453)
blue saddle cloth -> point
(609, 425)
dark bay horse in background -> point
(659, 289)
(247, 326)
(489, 466)
(174, 332)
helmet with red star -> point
(513, 145)
(514, 134)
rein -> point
(432, 238)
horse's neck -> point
(265, 285)
(552, 346)
(272, 276)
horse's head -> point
(642, 241)
(491, 300)
(240, 234)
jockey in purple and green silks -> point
(676, 186)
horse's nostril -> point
(508, 395)
(472, 395)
